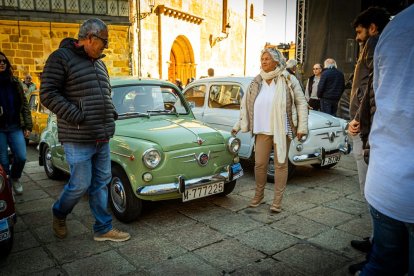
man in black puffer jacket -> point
(75, 86)
(330, 87)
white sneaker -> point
(17, 187)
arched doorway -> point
(181, 65)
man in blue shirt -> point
(389, 187)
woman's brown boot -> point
(276, 205)
(258, 196)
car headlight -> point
(234, 145)
(303, 138)
(345, 126)
(151, 158)
(2, 183)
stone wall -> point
(28, 45)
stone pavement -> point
(322, 212)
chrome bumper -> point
(182, 184)
(344, 149)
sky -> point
(280, 21)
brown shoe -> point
(275, 209)
(59, 227)
(113, 235)
(256, 201)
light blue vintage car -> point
(216, 102)
(159, 151)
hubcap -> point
(48, 161)
(271, 166)
(118, 194)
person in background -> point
(331, 86)
(368, 26)
(179, 84)
(75, 86)
(389, 186)
(275, 111)
(15, 123)
(291, 66)
(311, 90)
(189, 80)
(28, 85)
(210, 72)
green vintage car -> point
(159, 151)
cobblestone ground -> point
(322, 212)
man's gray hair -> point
(291, 63)
(91, 26)
(330, 63)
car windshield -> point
(147, 100)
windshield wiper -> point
(133, 114)
(163, 111)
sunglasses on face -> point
(104, 40)
(3, 61)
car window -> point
(196, 95)
(225, 96)
(147, 98)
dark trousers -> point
(329, 106)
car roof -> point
(238, 79)
(131, 80)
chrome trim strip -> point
(306, 157)
(190, 183)
(344, 149)
(120, 154)
(186, 155)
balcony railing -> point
(98, 7)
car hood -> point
(319, 120)
(170, 134)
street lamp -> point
(221, 37)
(141, 15)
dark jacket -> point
(76, 88)
(20, 104)
(331, 85)
(365, 116)
(364, 67)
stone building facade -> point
(179, 39)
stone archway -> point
(181, 64)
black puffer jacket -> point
(20, 104)
(77, 89)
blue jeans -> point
(14, 138)
(329, 106)
(90, 172)
(392, 251)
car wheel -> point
(51, 171)
(318, 166)
(6, 246)
(125, 205)
(271, 169)
(228, 188)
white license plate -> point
(4, 230)
(330, 159)
(203, 191)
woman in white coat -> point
(275, 111)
